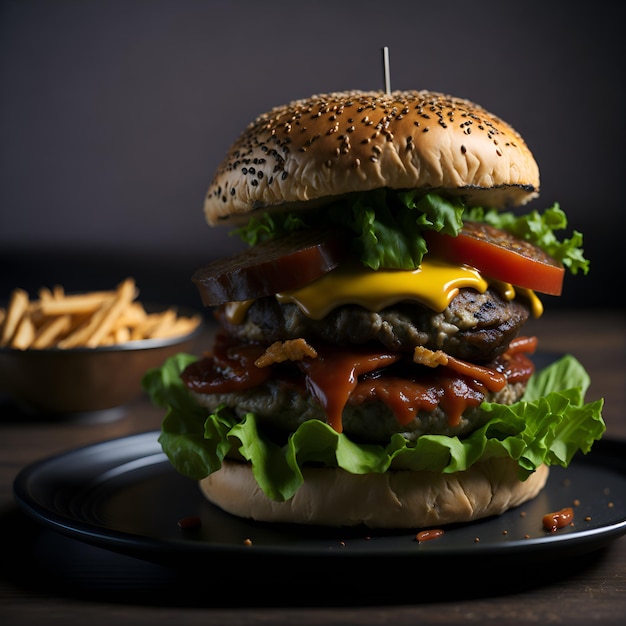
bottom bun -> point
(395, 499)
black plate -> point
(123, 495)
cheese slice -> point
(435, 283)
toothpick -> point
(386, 70)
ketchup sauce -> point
(427, 535)
(338, 376)
(559, 519)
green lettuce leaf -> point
(539, 229)
(388, 226)
(549, 425)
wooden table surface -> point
(48, 578)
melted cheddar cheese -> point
(435, 283)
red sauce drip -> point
(456, 387)
(492, 379)
(459, 394)
(522, 344)
(404, 397)
(516, 367)
(230, 368)
(407, 397)
(558, 519)
(333, 376)
(341, 375)
(427, 535)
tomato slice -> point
(500, 255)
(268, 268)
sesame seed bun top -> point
(312, 150)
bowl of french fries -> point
(66, 353)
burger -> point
(369, 365)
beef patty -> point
(475, 326)
(282, 408)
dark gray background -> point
(114, 115)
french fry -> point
(81, 303)
(18, 306)
(165, 322)
(102, 320)
(134, 315)
(57, 319)
(80, 335)
(146, 328)
(125, 294)
(24, 334)
(51, 330)
(121, 335)
(36, 315)
(183, 326)
(44, 294)
(109, 340)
